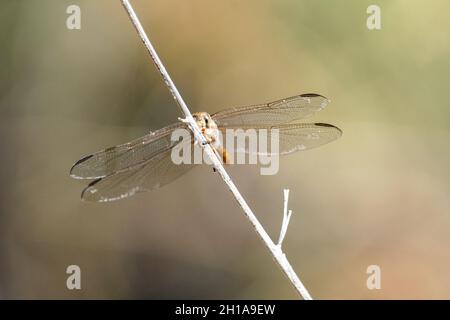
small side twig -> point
(276, 251)
(286, 218)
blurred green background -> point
(379, 195)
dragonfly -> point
(145, 163)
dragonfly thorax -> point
(208, 127)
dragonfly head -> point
(204, 120)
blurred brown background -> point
(379, 195)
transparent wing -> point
(153, 174)
(273, 113)
(124, 156)
(291, 137)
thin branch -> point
(276, 251)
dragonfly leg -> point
(209, 140)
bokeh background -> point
(379, 195)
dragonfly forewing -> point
(273, 113)
(125, 156)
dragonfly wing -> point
(273, 113)
(153, 174)
(124, 156)
(291, 137)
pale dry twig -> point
(276, 250)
